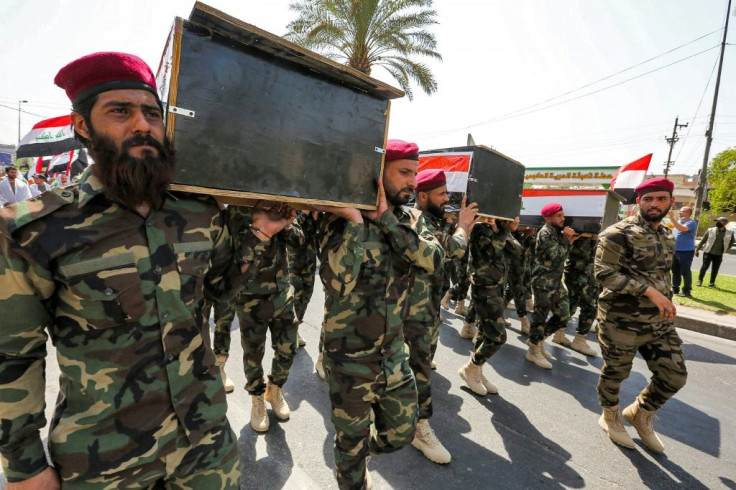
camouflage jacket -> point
(527, 242)
(513, 254)
(117, 293)
(426, 292)
(579, 267)
(630, 257)
(273, 265)
(367, 269)
(550, 253)
(487, 264)
(303, 258)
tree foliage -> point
(722, 181)
(367, 33)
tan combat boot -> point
(229, 386)
(445, 303)
(426, 441)
(611, 423)
(258, 414)
(580, 344)
(460, 308)
(529, 305)
(642, 421)
(525, 326)
(319, 367)
(543, 350)
(490, 387)
(471, 374)
(560, 338)
(506, 322)
(468, 331)
(275, 396)
(534, 355)
(300, 341)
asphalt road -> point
(541, 431)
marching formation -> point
(122, 274)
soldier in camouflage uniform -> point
(303, 265)
(487, 275)
(267, 304)
(582, 289)
(224, 316)
(553, 243)
(636, 314)
(367, 263)
(458, 272)
(422, 327)
(113, 268)
(519, 278)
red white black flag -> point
(49, 137)
(628, 177)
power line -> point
(22, 111)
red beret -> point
(401, 150)
(100, 72)
(430, 179)
(654, 185)
(551, 208)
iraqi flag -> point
(455, 164)
(628, 177)
(48, 137)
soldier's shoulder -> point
(23, 213)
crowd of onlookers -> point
(14, 187)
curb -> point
(717, 329)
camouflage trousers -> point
(518, 289)
(460, 279)
(224, 316)
(421, 338)
(388, 388)
(546, 301)
(585, 296)
(303, 289)
(257, 315)
(213, 463)
(661, 348)
(487, 311)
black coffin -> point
(488, 177)
(253, 116)
(586, 210)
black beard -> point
(397, 200)
(653, 219)
(130, 180)
(435, 210)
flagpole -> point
(703, 184)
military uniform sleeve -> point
(420, 247)
(24, 287)
(341, 254)
(293, 235)
(609, 257)
(453, 245)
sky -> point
(511, 73)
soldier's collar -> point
(89, 187)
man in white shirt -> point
(39, 185)
(13, 189)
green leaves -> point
(722, 182)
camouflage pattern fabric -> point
(516, 288)
(267, 304)
(550, 294)
(118, 293)
(367, 269)
(422, 327)
(224, 316)
(303, 264)
(520, 288)
(580, 281)
(458, 272)
(488, 275)
(632, 256)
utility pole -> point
(19, 111)
(703, 184)
(672, 142)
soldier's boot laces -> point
(460, 308)
(300, 341)
(275, 396)
(426, 441)
(471, 374)
(525, 326)
(560, 338)
(534, 355)
(580, 344)
(642, 421)
(490, 387)
(229, 386)
(445, 303)
(611, 423)
(319, 367)
(258, 414)
(468, 331)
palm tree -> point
(368, 33)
